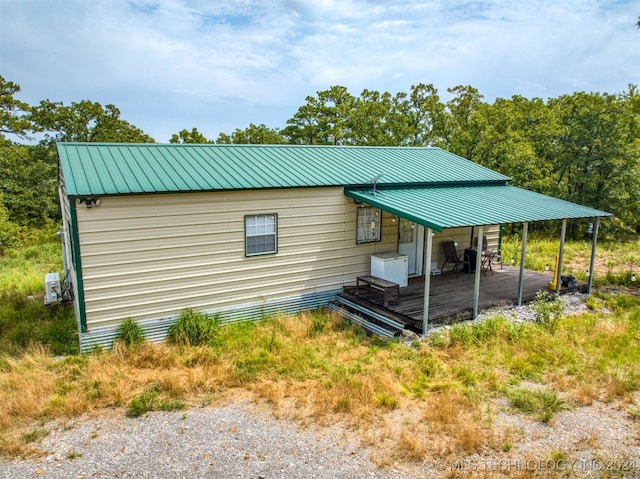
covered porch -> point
(437, 208)
(450, 300)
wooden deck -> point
(451, 298)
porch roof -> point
(454, 206)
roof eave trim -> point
(365, 198)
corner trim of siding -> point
(77, 259)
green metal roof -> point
(450, 207)
(429, 186)
(94, 169)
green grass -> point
(386, 401)
(150, 400)
(23, 318)
(35, 435)
(543, 404)
(192, 328)
(22, 271)
(616, 259)
(494, 329)
(548, 309)
(130, 333)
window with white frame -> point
(368, 224)
(260, 233)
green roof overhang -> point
(457, 206)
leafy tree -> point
(582, 147)
(28, 181)
(305, 126)
(335, 117)
(12, 111)
(518, 140)
(323, 120)
(84, 121)
(463, 129)
(630, 100)
(418, 118)
(254, 135)
(186, 136)
(597, 156)
(9, 232)
(371, 120)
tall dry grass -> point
(426, 399)
(313, 368)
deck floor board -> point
(451, 298)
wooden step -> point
(372, 322)
(365, 302)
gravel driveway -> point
(229, 441)
(243, 440)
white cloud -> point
(219, 65)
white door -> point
(410, 243)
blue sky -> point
(221, 65)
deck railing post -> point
(563, 234)
(523, 254)
(427, 278)
(478, 269)
(593, 254)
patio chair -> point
(489, 256)
(496, 254)
(452, 256)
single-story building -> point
(251, 230)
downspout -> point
(593, 254)
(523, 254)
(478, 269)
(563, 234)
(426, 271)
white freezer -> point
(390, 266)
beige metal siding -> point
(148, 257)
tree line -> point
(583, 147)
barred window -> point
(368, 224)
